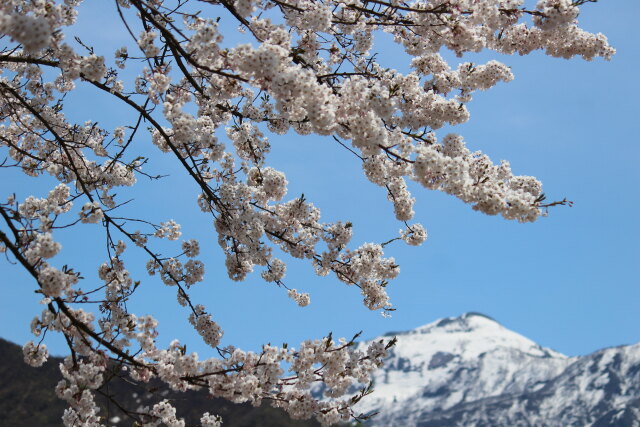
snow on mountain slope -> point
(472, 371)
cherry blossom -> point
(214, 109)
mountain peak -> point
(467, 322)
(468, 369)
(477, 314)
(469, 335)
(470, 319)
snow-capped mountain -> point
(472, 371)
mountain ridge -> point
(472, 371)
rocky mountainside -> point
(472, 371)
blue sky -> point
(569, 281)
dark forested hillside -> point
(27, 399)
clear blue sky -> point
(569, 281)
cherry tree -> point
(214, 109)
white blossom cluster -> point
(31, 31)
(209, 330)
(300, 298)
(308, 67)
(169, 230)
(91, 213)
(55, 282)
(209, 420)
(79, 378)
(473, 178)
(414, 235)
(35, 355)
(146, 43)
(116, 277)
(164, 413)
(55, 203)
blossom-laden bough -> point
(308, 68)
